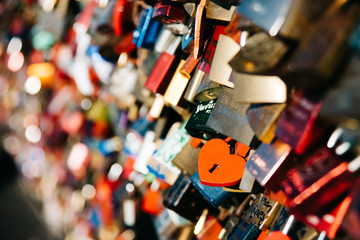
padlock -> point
(299, 125)
(210, 49)
(161, 163)
(189, 65)
(166, 11)
(229, 118)
(220, 70)
(350, 222)
(167, 223)
(147, 31)
(327, 223)
(165, 67)
(285, 223)
(316, 63)
(216, 196)
(328, 186)
(196, 125)
(208, 227)
(287, 18)
(250, 88)
(217, 166)
(269, 163)
(234, 218)
(186, 160)
(186, 200)
(260, 54)
(121, 18)
(263, 118)
(176, 88)
(339, 103)
(256, 219)
(214, 10)
(201, 88)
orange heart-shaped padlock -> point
(217, 167)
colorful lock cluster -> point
(180, 119)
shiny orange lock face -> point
(217, 167)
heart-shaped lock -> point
(217, 167)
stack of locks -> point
(186, 119)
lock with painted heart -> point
(217, 167)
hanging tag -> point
(229, 118)
(258, 89)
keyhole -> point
(213, 168)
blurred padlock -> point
(285, 223)
(269, 163)
(287, 18)
(186, 200)
(147, 31)
(260, 54)
(165, 66)
(340, 103)
(316, 63)
(186, 160)
(161, 163)
(299, 125)
(214, 10)
(166, 11)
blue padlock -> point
(215, 195)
